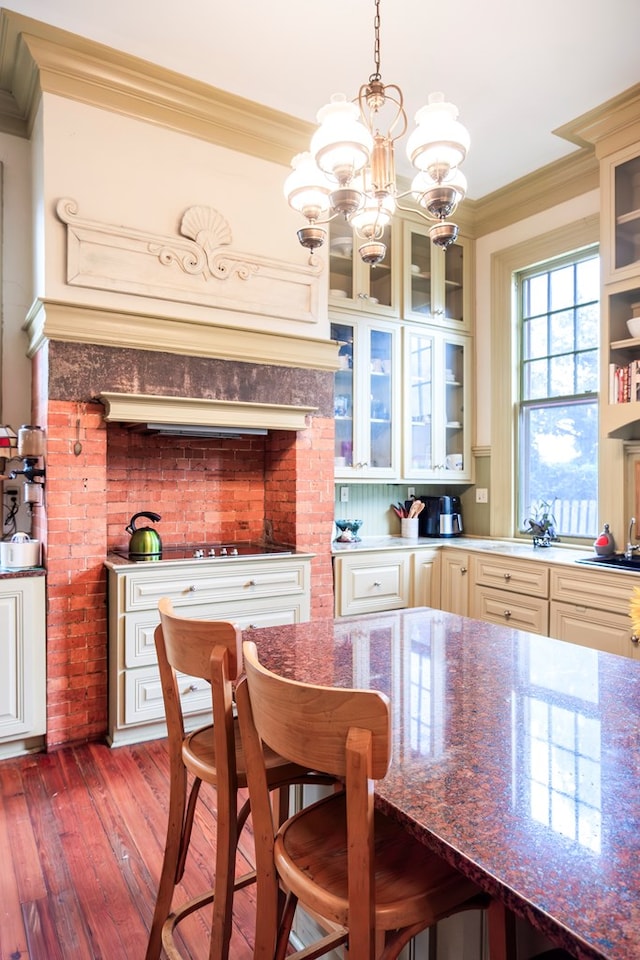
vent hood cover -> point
(219, 416)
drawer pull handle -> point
(252, 583)
(507, 576)
(377, 583)
(635, 639)
(463, 569)
(507, 614)
(192, 688)
(192, 588)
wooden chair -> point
(213, 754)
(341, 858)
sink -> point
(616, 560)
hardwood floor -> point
(81, 841)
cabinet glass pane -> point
(421, 379)
(380, 446)
(343, 395)
(627, 235)
(340, 260)
(453, 264)
(380, 274)
(420, 273)
(454, 409)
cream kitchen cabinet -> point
(372, 582)
(436, 379)
(437, 281)
(426, 578)
(251, 593)
(22, 664)
(367, 417)
(454, 581)
(592, 609)
(511, 592)
(353, 285)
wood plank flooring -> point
(81, 839)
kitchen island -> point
(516, 757)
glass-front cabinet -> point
(353, 285)
(435, 287)
(625, 223)
(436, 392)
(367, 421)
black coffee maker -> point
(441, 517)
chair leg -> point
(226, 850)
(285, 927)
(173, 846)
(502, 932)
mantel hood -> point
(179, 415)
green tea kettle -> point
(145, 542)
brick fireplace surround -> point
(204, 489)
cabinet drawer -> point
(234, 581)
(139, 626)
(591, 588)
(511, 609)
(520, 576)
(365, 585)
(143, 695)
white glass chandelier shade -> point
(307, 188)
(342, 145)
(440, 142)
(373, 217)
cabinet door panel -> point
(598, 629)
(454, 573)
(365, 584)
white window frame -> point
(505, 358)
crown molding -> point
(610, 126)
(37, 58)
(85, 323)
(552, 184)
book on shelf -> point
(624, 382)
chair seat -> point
(412, 884)
(199, 757)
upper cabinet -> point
(436, 368)
(622, 253)
(620, 250)
(437, 283)
(367, 417)
(354, 285)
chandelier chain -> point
(376, 43)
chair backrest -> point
(208, 649)
(343, 732)
(309, 723)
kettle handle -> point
(150, 516)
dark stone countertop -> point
(515, 756)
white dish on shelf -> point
(338, 294)
(373, 300)
(633, 326)
(415, 268)
(343, 246)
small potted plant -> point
(541, 524)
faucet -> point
(631, 547)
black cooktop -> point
(210, 551)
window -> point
(558, 319)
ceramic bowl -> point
(633, 325)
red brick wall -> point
(203, 490)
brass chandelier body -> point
(350, 168)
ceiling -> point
(516, 71)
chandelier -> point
(349, 169)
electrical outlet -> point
(344, 494)
(482, 495)
(411, 492)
